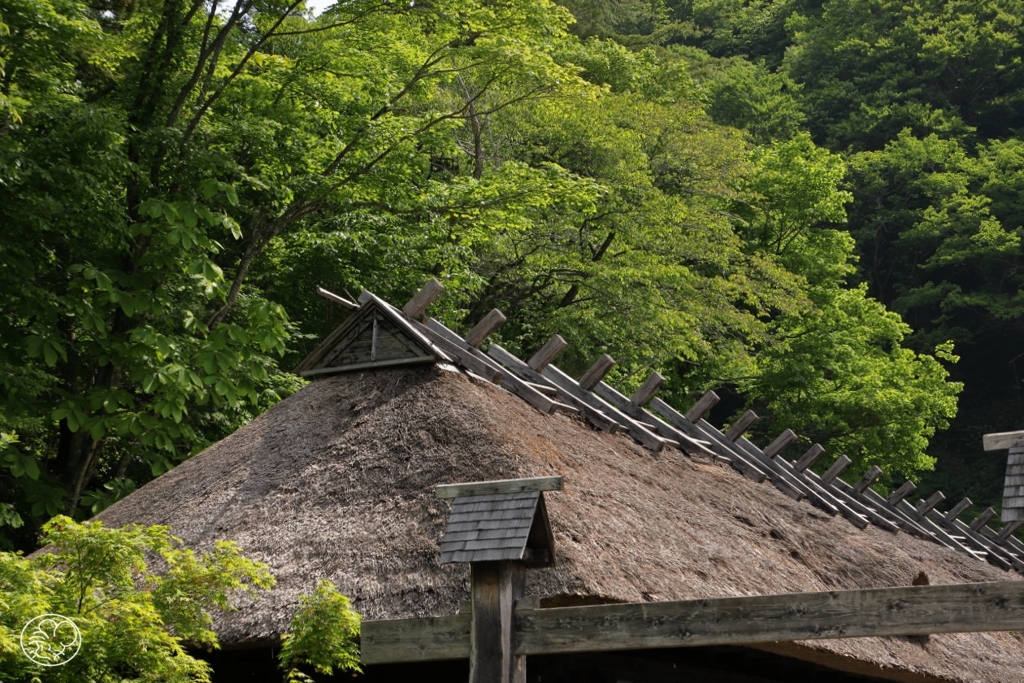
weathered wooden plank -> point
(647, 390)
(419, 360)
(982, 519)
(906, 522)
(1011, 526)
(914, 610)
(417, 305)
(861, 505)
(482, 488)
(584, 397)
(845, 509)
(780, 443)
(1002, 440)
(958, 509)
(331, 296)
(483, 329)
(792, 486)
(699, 409)
(547, 353)
(415, 640)
(528, 374)
(809, 458)
(597, 371)
(741, 425)
(521, 388)
(940, 534)
(631, 409)
(841, 463)
(868, 479)
(464, 355)
(718, 442)
(994, 553)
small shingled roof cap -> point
(499, 520)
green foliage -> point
(134, 623)
(322, 635)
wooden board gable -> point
(372, 337)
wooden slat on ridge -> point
(528, 374)
(517, 386)
(610, 410)
(635, 411)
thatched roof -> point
(337, 482)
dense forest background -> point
(813, 207)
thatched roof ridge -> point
(337, 482)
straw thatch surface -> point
(337, 482)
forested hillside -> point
(815, 206)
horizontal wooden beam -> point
(483, 488)
(1002, 440)
(914, 610)
(876, 612)
(415, 640)
(417, 360)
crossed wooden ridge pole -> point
(500, 626)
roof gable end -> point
(376, 335)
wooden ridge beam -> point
(982, 519)
(869, 478)
(929, 505)
(915, 610)
(902, 492)
(483, 488)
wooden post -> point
(808, 458)
(417, 305)
(781, 441)
(741, 425)
(496, 587)
(902, 492)
(699, 409)
(982, 519)
(958, 509)
(547, 353)
(929, 505)
(485, 327)
(597, 372)
(869, 478)
(647, 390)
(836, 469)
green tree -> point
(160, 148)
